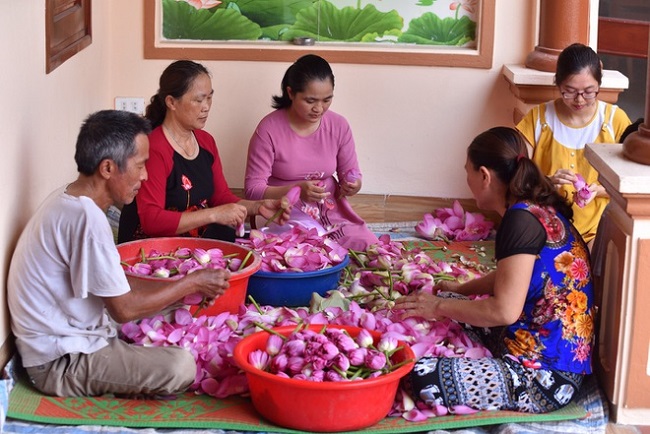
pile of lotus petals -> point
(211, 339)
(295, 250)
(454, 224)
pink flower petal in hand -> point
(352, 175)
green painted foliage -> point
(429, 29)
(182, 21)
(269, 13)
(324, 22)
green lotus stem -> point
(355, 255)
(254, 303)
(274, 216)
(142, 255)
(126, 264)
(357, 374)
(155, 258)
(268, 330)
(402, 363)
(385, 297)
(202, 305)
(243, 263)
(442, 276)
(340, 372)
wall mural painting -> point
(399, 23)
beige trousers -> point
(118, 368)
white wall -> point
(412, 124)
(40, 115)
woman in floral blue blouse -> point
(540, 297)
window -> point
(67, 30)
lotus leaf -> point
(429, 29)
(268, 13)
(325, 22)
(274, 33)
(183, 21)
(389, 36)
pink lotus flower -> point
(141, 268)
(286, 202)
(582, 195)
(292, 197)
(454, 224)
(202, 4)
(430, 227)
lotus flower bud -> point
(141, 268)
(183, 252)
(387, 344)
(333, 376)
(279, 363)
(258, 359)
(294, 347)
(342, 362)
(364, 338)
(274, 344)
(291, 198)
(375, 360)
(357, 356)
(329, 351)
(240, 231)
(161, 272)
(201, 256)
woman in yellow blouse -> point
(558, 131)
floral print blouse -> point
(556, 328)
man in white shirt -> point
(65, 278)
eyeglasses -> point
(589, 94)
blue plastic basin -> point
(293, 289)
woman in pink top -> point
(303, 143)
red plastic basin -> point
(236, 293)
(324, 406)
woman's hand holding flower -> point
(313, 191)
(273, 210)
(446, 286)
(351, 183)
(584, 193)
(421, 305)
(282, 207)
(563, 177)
(350, 188)
(230, 214)
(210, 282)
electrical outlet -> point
(133, 105)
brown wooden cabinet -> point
(622, 359)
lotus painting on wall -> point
(413, 23)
